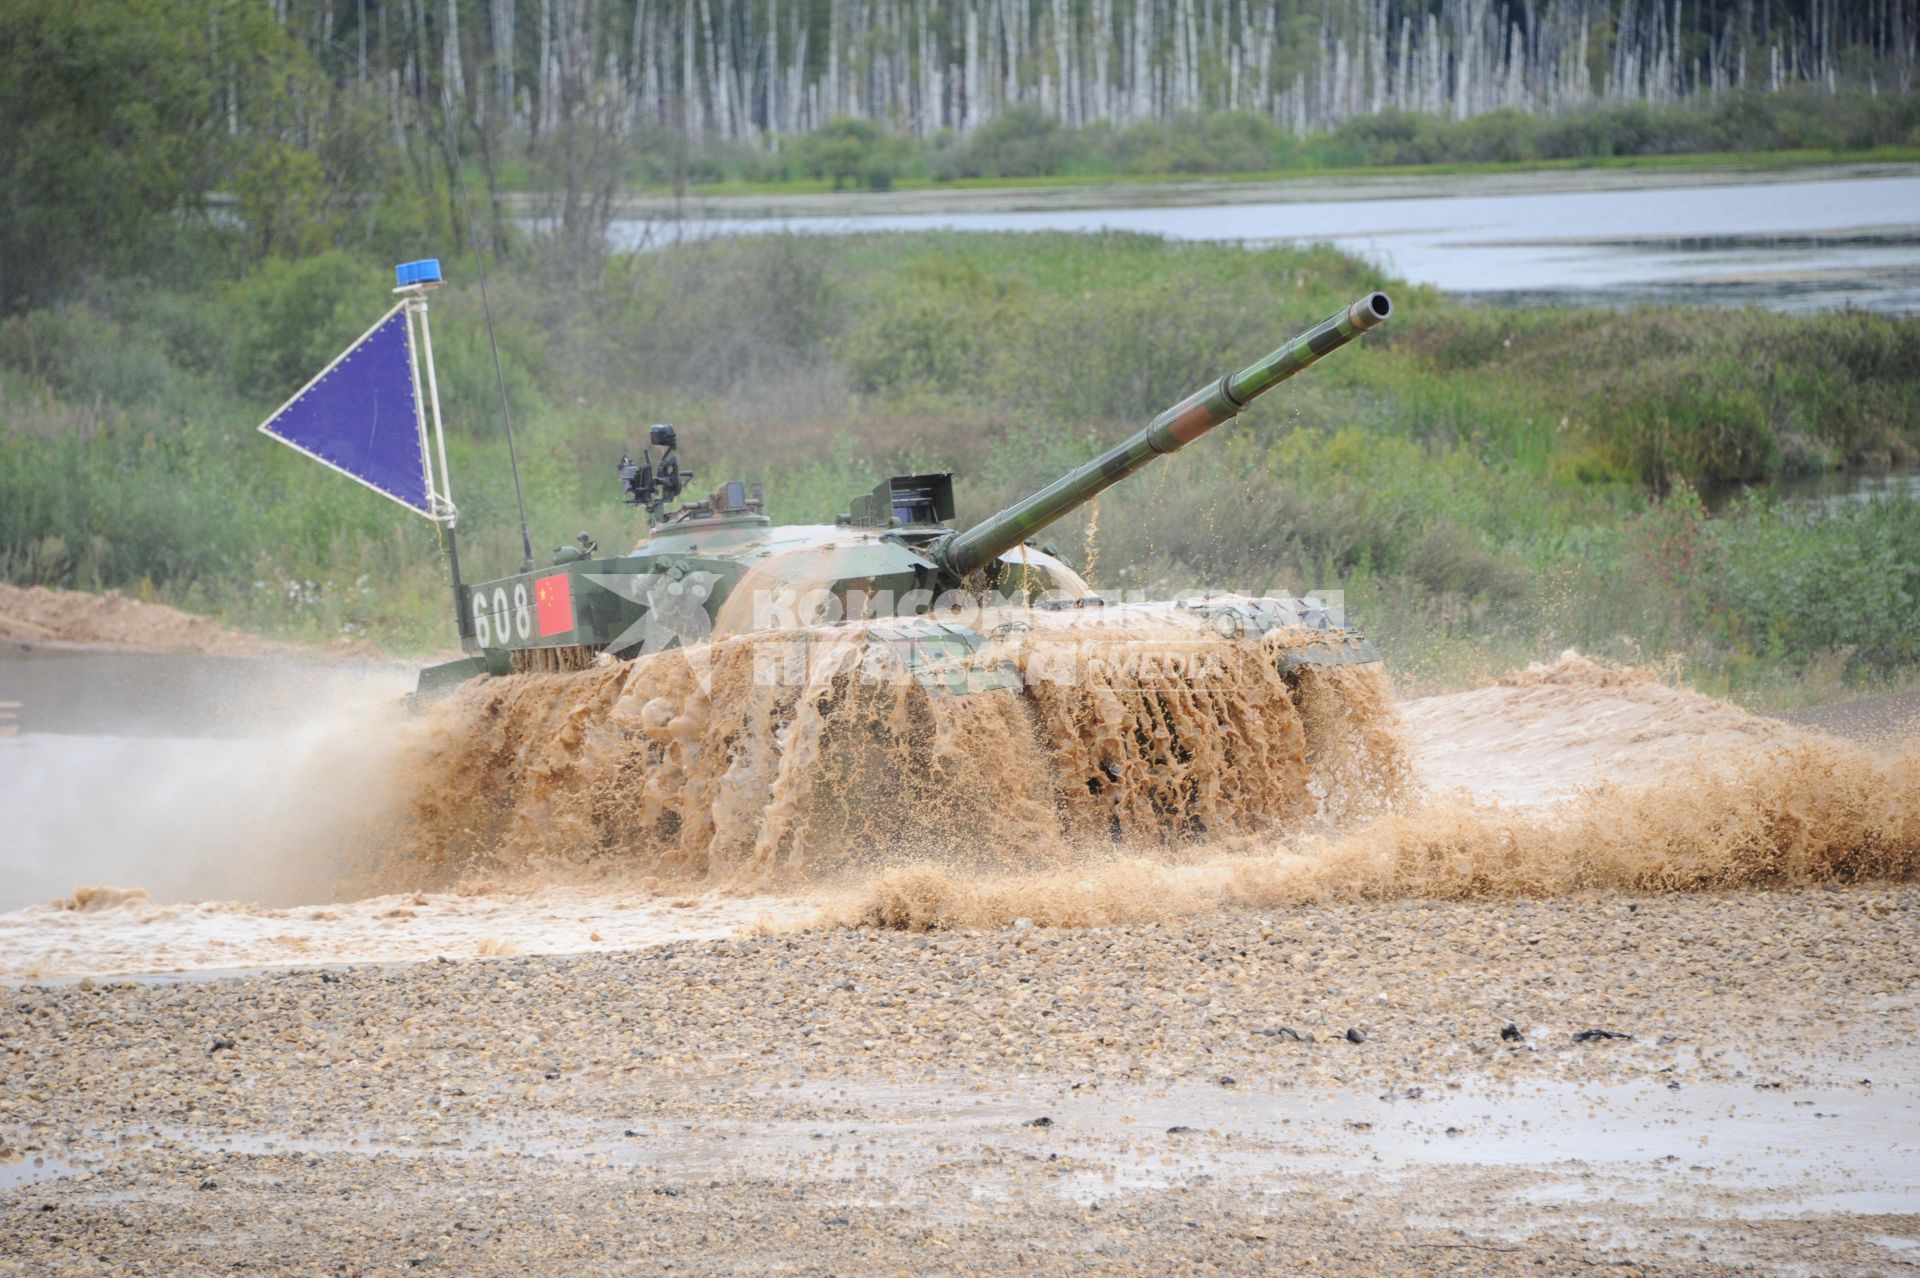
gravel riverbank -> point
(1321, 1089)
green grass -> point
(1489, 487)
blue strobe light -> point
(424, 271)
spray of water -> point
(612, 806)
(1809, 813)
(698, 767)
(279, 818)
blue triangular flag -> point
(362, 416)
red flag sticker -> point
(555, 596)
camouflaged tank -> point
(892, 566)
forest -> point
(158, 137)
(759, 69)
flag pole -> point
(445, 490)
(414, 279)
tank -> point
(744, 702)
(892, 571)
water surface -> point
(1789, 245)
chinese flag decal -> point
(555, 597)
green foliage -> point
(1223, 142)
(109, 111)
(278, 188)
(180, 140)
(1021, 141)
(82, 354)
(289, 318)
(710, 318)
(1791, 586)
(1025, 143)
(1711, 398)
(851, 152)
(973, 321)
(1487, 486)
(469, 386)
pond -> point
(1828, 492)
(1851, 239)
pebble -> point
(1599, 1036)
(1288, 1033)
(700, 1043)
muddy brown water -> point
(1762, 1151)
(691, 763)
(248, 851)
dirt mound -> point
(36, 614)
(1543, 733)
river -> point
(1840, 238)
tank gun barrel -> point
(969, 550)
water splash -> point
(1137, 731)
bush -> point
(289, 318)
(82, 352)
(709, 318)
(1794, 586)
(849, 151)
(1714, 399)
(1480, 481)
(1021, 141)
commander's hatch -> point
(904, 501)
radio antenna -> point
(493, 343)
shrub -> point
(1793, 585)
(1476, 479)
(1021, 141)
(288, 318)
(849, 151)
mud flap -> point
(437, 681)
